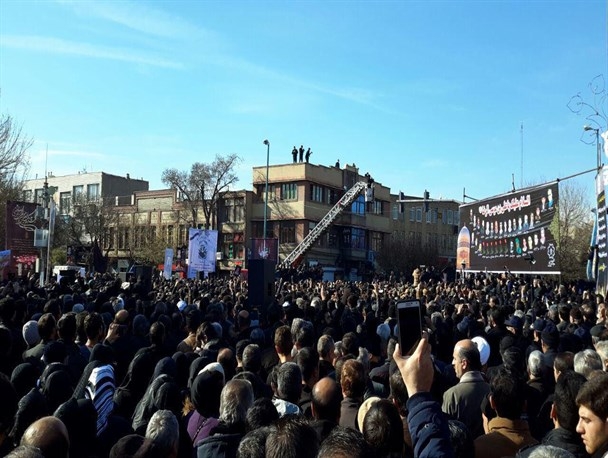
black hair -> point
(261, 413)
(308, 360)
(461, 440)
(508, 391)
(383, 429)
(398, 392)
(344, 441)
(293, 437)
(566, 388)
(253, 444)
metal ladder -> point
(347, 199)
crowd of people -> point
(506, 366)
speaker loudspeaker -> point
(261, 282)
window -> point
(289, 191)
(109, 237)
(358, 206)
(419, 214)
(27, 195)
(38, 196)
(65, 198)
(239, 209)
(181, 234)
(288, 232)
(316, 193)
(234, 210)
(395, 212)
(332, 238)
(333, 196)
(413, 214)
(434, 213)
(357, 238)
(261, 191)
(346, 237)
(78, 191)
(450, 216)
(170, 232)
(429, 216)
(93, 191)
(377, 207)
(376, 241)
(123, 238)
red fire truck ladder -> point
(347, 199)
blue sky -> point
(423, 95)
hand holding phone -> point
(409, 319)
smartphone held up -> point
(409, 320)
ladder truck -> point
(294, 258)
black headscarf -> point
(165, 366)
(24, 378)
(32, 407)
(57, 389)
(182, 369)
(205, 393)
(80, 419)
(197, 365)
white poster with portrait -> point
(202, 246)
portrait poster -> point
(514, 232)
(167, 267)
(265, 249)
(202, 248)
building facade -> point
(92, 186)
(301, 194)
(148, 222)
(431, 223)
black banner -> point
(513, 231)
(602, 251)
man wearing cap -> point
(537, 329)
(549, 340)
(484, 350)
(515, 325)
(47, 329)
(463, 401)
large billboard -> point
(599, 271)
(514, 231)
(21, 224)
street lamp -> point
(597, 144)
(267, 143)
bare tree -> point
(203, 185)
(573, 230)
(404, 254)
(89, 220)
(14, 163)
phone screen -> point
(409, 318)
